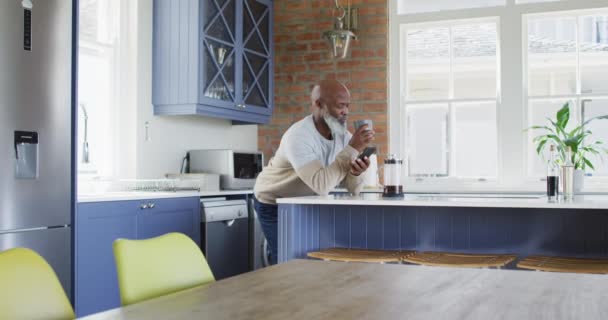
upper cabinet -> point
(213, 58)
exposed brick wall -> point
(301, 59)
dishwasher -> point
(225, 236)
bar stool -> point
(564, 264)
(460, 260)
(360, 255)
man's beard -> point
(335, 126)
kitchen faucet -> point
(85, 144)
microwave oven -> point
(237, 169)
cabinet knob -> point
(143, 206)
(151, 205)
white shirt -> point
(302, 143)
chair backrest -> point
(29, 288)
(157, 266)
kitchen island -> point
(517, 224)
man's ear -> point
(318, 104)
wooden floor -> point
(306, 289)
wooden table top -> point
(306, 289)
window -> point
(106, 92)
(467, 77)
(451, 74)
(567, 61)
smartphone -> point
(367, 152)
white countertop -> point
(138, 195)
(456, 200)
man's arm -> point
(323, 179)
(353, 183)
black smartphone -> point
(367, 152)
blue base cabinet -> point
(99, 224)
(213, 58)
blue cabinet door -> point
(97, 226)
(218, 47)
(213, 58)
(256, 52)
(171, 215)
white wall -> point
(170, 137)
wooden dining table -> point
(307, 289)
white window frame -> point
(578, 96)
(450, 100)
(511, 109)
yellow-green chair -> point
(157, 266)
(29, 288)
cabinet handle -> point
(151, 205)
(143, 206)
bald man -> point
(315, 155)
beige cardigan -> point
(280, 180)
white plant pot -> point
(579, 180)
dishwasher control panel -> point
(223, 210)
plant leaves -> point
(541, 145)
(596, 118)
(557, 128)
(563, 115)
(588, 163)
(539, 127)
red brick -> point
(297, 89)
(349, 64)
(282, 38)
(374, 107)
(369, 96)
(307, 36)
(319, 45)
(308, 77)
(367, 75)
(268, 131)
(293, 68)
(302, 59)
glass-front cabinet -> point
(213, 58)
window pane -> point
(552, 56)
(474, 140)
(428, 63)
(538, 112)
(417, 6)
(474, 64)
(594, 54)
(427, 139)
(594, 108)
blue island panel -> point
(563, 232)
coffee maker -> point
(392, 177)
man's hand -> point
(361, 138)
(358, 166)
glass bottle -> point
(552, 174)
(568, 175)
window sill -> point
(493, 188)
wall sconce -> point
(339, 38)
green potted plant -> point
(577, 139)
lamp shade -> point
(339, 42)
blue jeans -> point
(268, 217)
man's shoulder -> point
(300, 128)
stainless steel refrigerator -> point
(36, 107)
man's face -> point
(337, 106)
